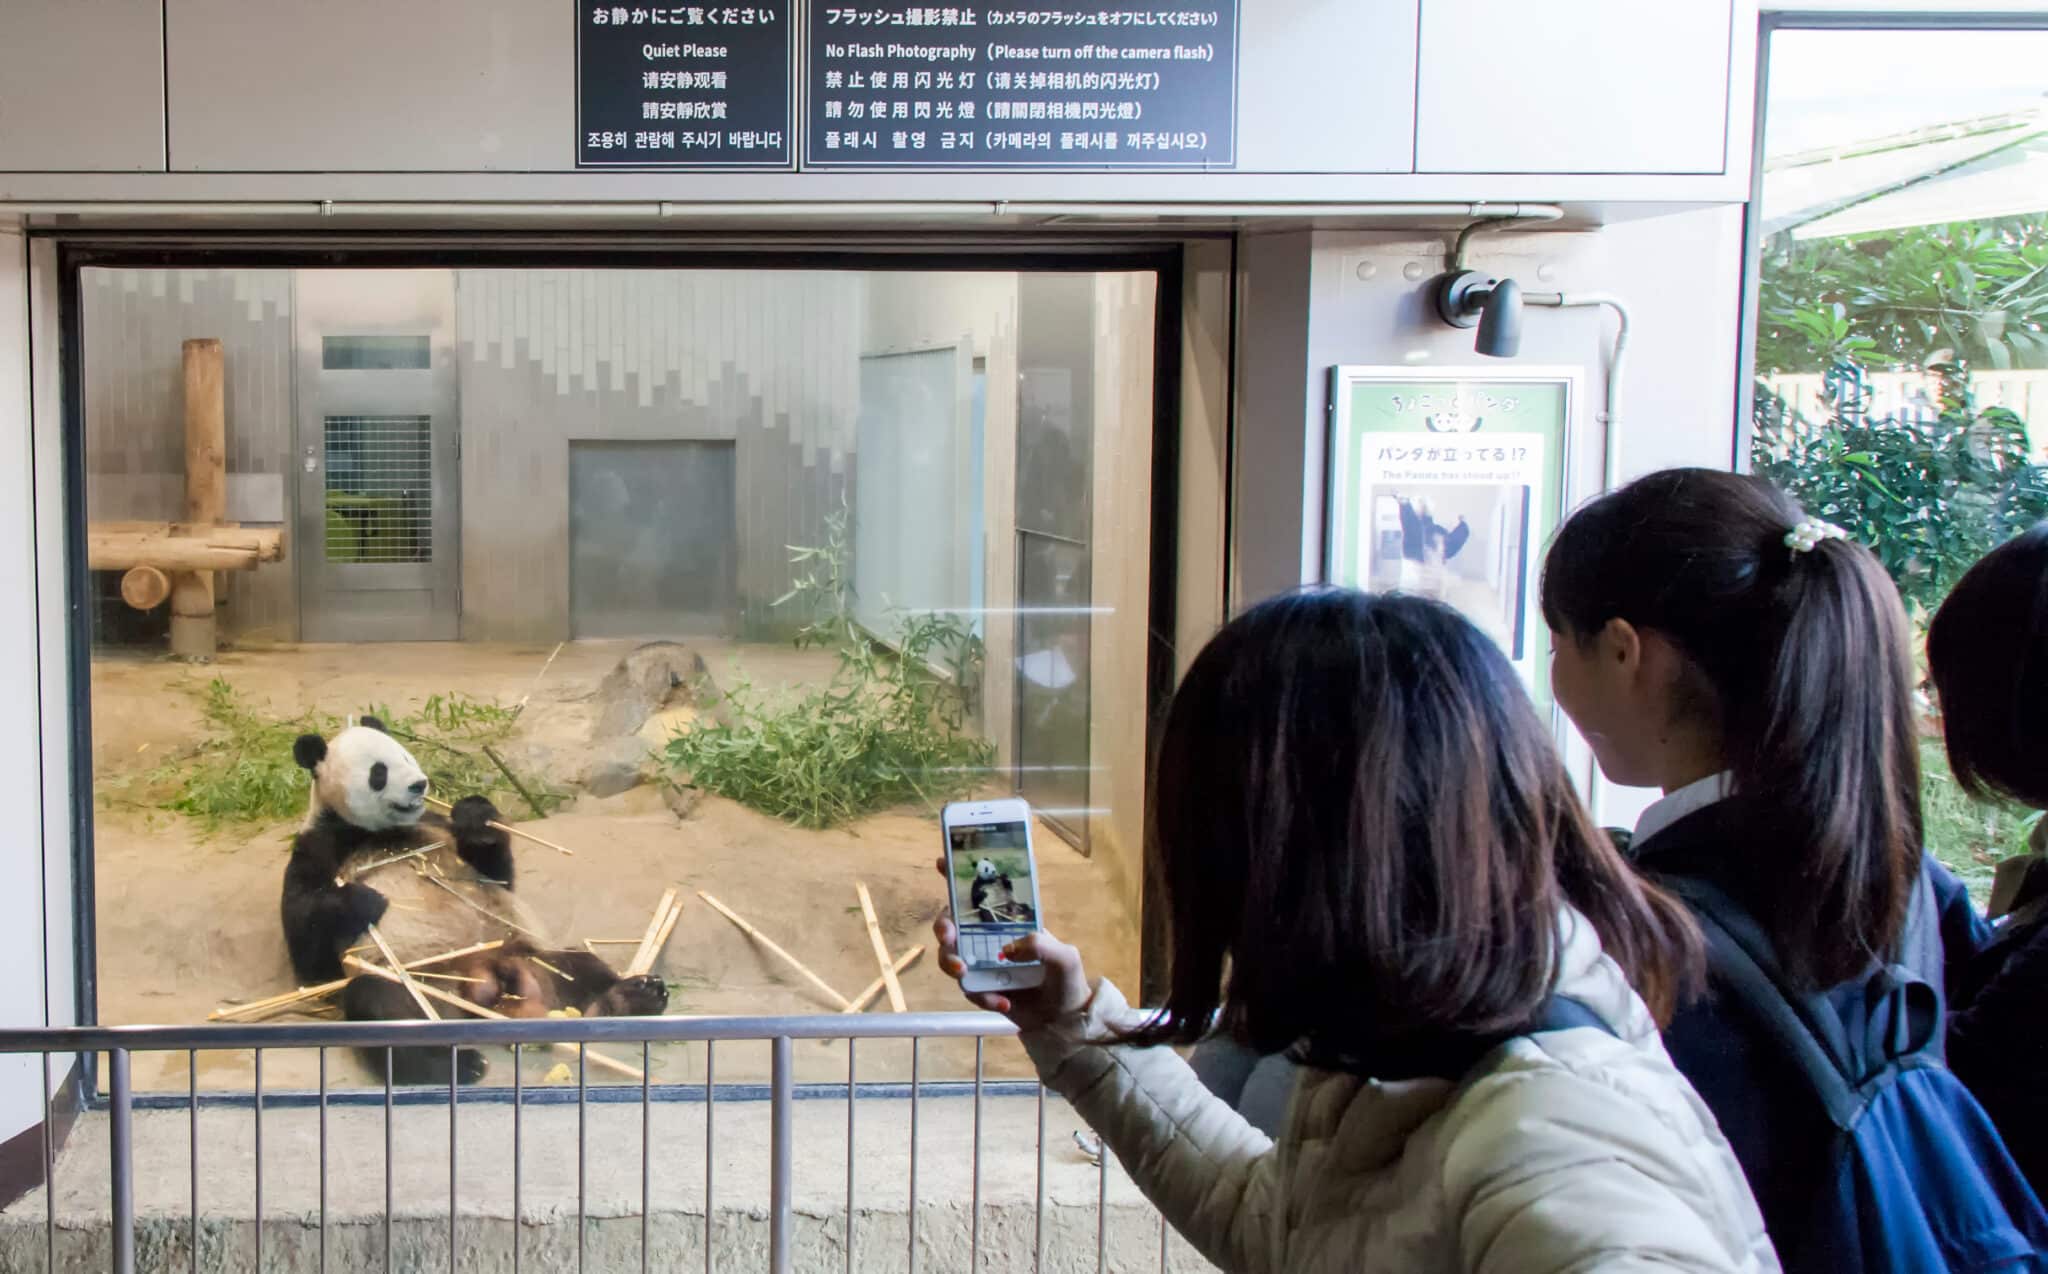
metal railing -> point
(120, 1043)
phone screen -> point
(995, 894)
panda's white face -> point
(985, 869)
(369, 779)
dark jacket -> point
(1997, 1043)
(1765, 1107)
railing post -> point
(121, 1160)
(781, 1155)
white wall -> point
(30, 948)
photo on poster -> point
(1463, 544)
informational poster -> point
(1043, 84)
(1448, 485)
(683, 86)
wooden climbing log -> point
(172, 546)
(193, 631)
(145, 587)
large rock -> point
(649, 679)
(612, 766)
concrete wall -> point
(1314, 301)
(135, 324)
(767, 358)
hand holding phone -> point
(1063, 988)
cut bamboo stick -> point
(404, 978)
(506, 828)
(456, 1001)
(643, 960)
(873, 989)
(357, 873)
(765, 941)
(264, 1007)
(889, 983)
(654, 923)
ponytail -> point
(1801, 648)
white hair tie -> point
(1811, 531)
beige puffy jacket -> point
(1570, 1151)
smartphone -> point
(994, 890)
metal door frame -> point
(321, 394)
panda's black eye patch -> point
(379, 773)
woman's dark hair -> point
(1804, 664)
(1988, 652)
(1357, 814)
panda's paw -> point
(362, 906)
(473, 814)
(470, 1066)
(479, 844)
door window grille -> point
(380, 506)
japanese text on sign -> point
(683, 86)
(995, 85)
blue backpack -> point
(1918, 1179)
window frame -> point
(1793, 18)
(1165, 255)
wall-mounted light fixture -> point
(1468, 298)
(1465, 298)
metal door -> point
(1055, 590)
(378, 456)
(653, 539)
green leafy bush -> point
(892, 727)
(242, 771)
(1928, 496)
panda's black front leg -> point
(322, 917)
(482, 846)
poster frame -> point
(1342, 501)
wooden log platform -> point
(178, 546)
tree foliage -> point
(1973, 292)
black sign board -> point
(683, 86)
(1031, 84)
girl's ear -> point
(1621, 644)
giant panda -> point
(368, 805)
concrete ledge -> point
(610, 1190)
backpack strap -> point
(1741, 958)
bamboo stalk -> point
(404, 978)
(889, 982)
(506, 828)
(521, 705)
(873, 989)
(668, 899)
(649, 951)
(357, 873)
(456, 1001)
(765, 941)
(456, 894)
(304, 993)
(513, 779)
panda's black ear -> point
(372, 723)
(309, 750)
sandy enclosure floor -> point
(187, 922)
